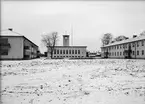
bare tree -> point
(120, 38)
(107, 38)
(50, 40)
(142, 33)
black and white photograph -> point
(72, 52)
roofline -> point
(122, 43)
(22, 37)
(30, 41)
(71, 46)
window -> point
(137, 52)
(63, 51)
(69, 51)
(54, 51)
(142, 52)
(72, 51)
(26, 47)
(133, 44)
(117, 53)
(4, 52)
(142, 42)
(123, 46)
(120, 46)
(137, 44)
(75, 51)
(3, 40)
(60, 51)
(120, 53)
(57, 51)
(66, 51)
(117, 46)
(78, 51)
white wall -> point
(135, 49)
(16, 48)
(82, 52)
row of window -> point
(3, 40)
(127, 44)
(123, 53)
(66, 51)
(68, 56)
(4, 52)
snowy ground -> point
(98, 81)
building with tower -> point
(67, 51)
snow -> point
(96, 81)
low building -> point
(129, 48)
(16, 46)
(67, 51)
(92, 54)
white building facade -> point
(130, 48)
(16, 46)
(67, 51)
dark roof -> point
(9, 33)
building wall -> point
(30, 50)
(119, 50)
(16, 48)
(57, 54)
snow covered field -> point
(98, 81)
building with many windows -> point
(67, 51)
(16, 46)
(129, 48)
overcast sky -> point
(89, 20)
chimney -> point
(65, 40)
(10, 29)
(134, 36)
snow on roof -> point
(10, 33)
(127, 41)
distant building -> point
(92, 54)
(16, 46)
(130, 48)
(67, 51)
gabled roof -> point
(9, 33)
(127, 41)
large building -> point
(16, 46)
(67, 51)
(129, 48)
